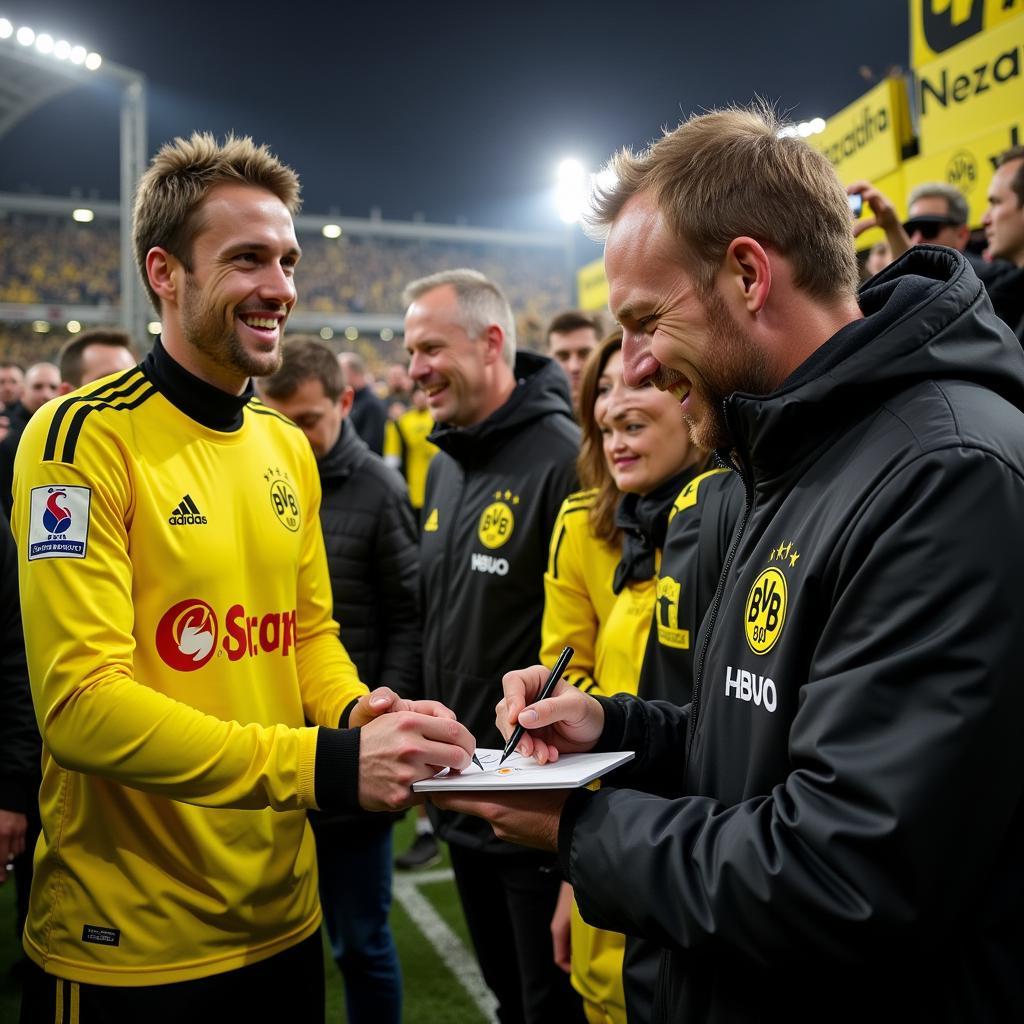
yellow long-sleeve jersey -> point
(607, 631)
(178, 626)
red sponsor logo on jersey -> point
(187, 635)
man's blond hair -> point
(729, 173)
(170, 195)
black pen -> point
(556, 673)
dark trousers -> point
(508, 900)
(286, 987)
(355, 893)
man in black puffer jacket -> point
(833, 828)
(370, 537)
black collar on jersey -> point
(198, 400)
(643, 520)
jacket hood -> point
(926, 317)
(348, 452)
(541, 390)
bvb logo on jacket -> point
(497, 522)
(765, 611)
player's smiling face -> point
(241, 287)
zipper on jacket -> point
(446, 578)
(712, 615)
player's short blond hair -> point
(170, 195)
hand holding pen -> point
(546, 690)
(567, 722)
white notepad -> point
(570, 771)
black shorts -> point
(287, 987)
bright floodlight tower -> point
(34, 68)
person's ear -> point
(746, 274)
(161, 268)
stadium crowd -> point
(751, 510)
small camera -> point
(856, 202)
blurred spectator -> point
(42, 383)
(12, 381)
(1004, 230)
(407, 446)
(94, 354)
(938, 213)
(571, 337)
(400, 386)
(369, 413)
(879, 257)
(370, 537)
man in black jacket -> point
(508, 448)
(370, 537)
(833, 828)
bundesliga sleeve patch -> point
(59, 522)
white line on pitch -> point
(447, 944)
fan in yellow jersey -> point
(600, 588)
(407, 449)
(186, 673)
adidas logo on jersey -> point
(186, 514)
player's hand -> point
(568, 722)
(13, 827)
(402, 747)
(561, 929)
(384, 700)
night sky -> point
(447, 110)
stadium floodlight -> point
(44, 42)
(73, 326)
(77, 55)
(817, 125)
(352, 333)
(6, 29)
(82, 215)
(154, 327)
(93, 61)
(386, 334)
(25, 36)
(62, 49)
(331, 231)
(572, 190)
(41, 326)
(326, 333)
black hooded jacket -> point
(493, 494)
(843, 837)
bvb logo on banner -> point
(765, 612)
(497, 521)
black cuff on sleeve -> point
(614, 725)
(571, 810)
(346, 714)
(336, 773)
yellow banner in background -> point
(592, 287)
(937, 26)
(976, 86)
(968, 166)
(864, 139)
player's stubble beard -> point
(205, 329)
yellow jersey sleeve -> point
(577, 591)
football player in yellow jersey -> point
(186, 672)
(406, 447)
